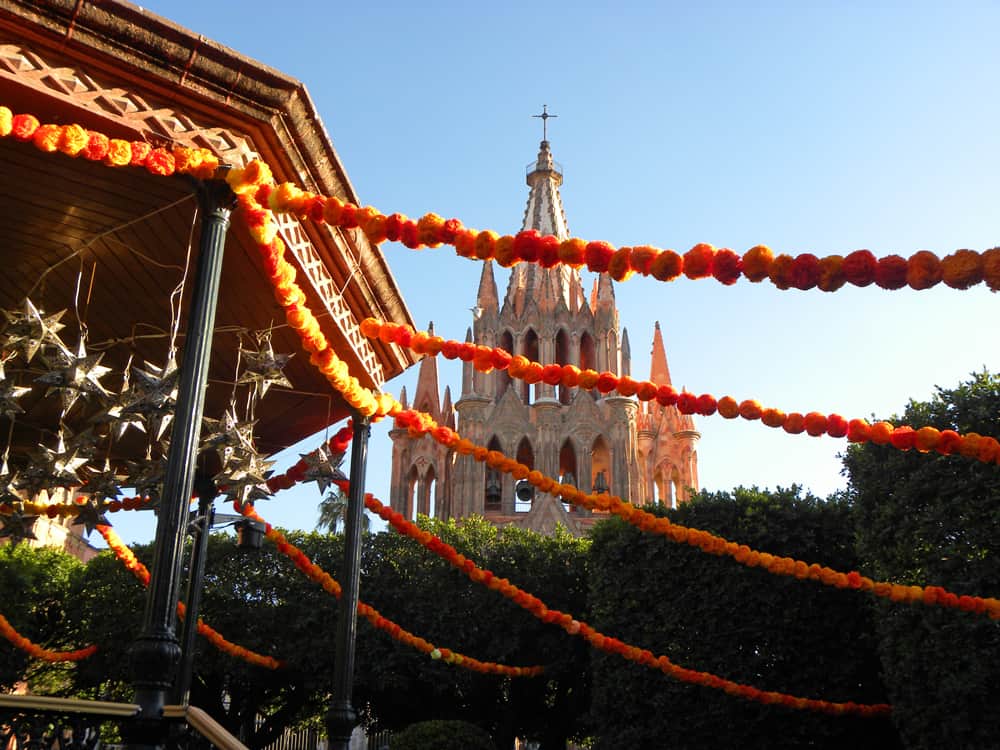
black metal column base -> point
(340, 722)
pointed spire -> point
(659, 373)
(605, 291)
(468, 375)
(626, 353)
(447, 409)
(544, 211)
(426, 398)
(487, 300)
(402, 398)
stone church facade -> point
(642, 452)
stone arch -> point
(529, 349)
(428, 487)
(563, 392)
(410, 507)
(611, 351)
(588, 352)
(569, 472)
(662, 485)
(600, 464)
(493, 490)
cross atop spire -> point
(544, 117)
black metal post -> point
(155, 654)
(192, 599)
(342, 718)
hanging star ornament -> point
(49, 469)
(104, 484)
(74, 376)
(9, 394)
(153, 396)
(245, 479)
(146, 477)
(227, 436)
(322, 468)
(18, 527)
(8, 485)
(262, 367)
(90, 516)
(31, 330)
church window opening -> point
(503, 379)
(567, 466)
(588, 352)
(494, 481)
(410, 511)
(428, 501)
(524, 493)
(562, 358)
(529, 348)
(600, 466)
(612, 353)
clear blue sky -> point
(809, 127)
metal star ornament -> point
(8, 485)
(227, 436)
(262, 367)
(103, 484)
(245, 479)
(90, 516)
(153, 396)
(322, 468)
(18, 527)
(74, 376)
(49, 469)
(31, 330)
(146, 477)
(9, 394)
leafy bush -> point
(442, 735)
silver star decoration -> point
(153, 396)
(90, 516)
(50, 468)
(9, 394)
(31, 330)
(227, 436)
(262, 366)
(73, 376)
(8, 484)
(18, 527)
(103, 484)
(114, 413)
(245, 479)
(322, 468)
(146, 477)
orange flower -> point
(570, 375)
(429, 229)
(757, 263)
(707, 405)
(6, 121)
(815, 423)
(606, 382)
(831, 273)
(667, 266)
(687, 403)
(598, 256)
(548, 251)
(881, 433)
(728, 408)
(552, 374)
(642, 259)
(858, 431)
(646, 391)
(891, 272)
(588, 379)
(503, 251)
(22, 127)
(962, 269)
(949, 442)
(773, 417)
(780, 271)
(794, 424)
(72, 139)
(727, 266)
(620, 267)
(926, 439)
(485, 242)
(903, 437)
(698, 261)
(160, 162)
(119, 153)
(805, 271)
(97, 146)
(923, 270)
(627, 386)
(666, 395)
(859, 267)
(750, 409)
(991, 268)
(526, 245)
(533, 373)
(572, 252)
(46, 138)
(836, 426)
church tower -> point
(599, 443)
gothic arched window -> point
(562, 358)
(529, 348)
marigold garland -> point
(418, 424)
(485, 359)
(73, 508)
(76, 141)
(537, 607)
(922, 270)
(38, 652)
(315, 573)
(132, 563)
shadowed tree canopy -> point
(930, 519)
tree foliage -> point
(929, 519)
(712, 614)
(34, 587)
(442, 735)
